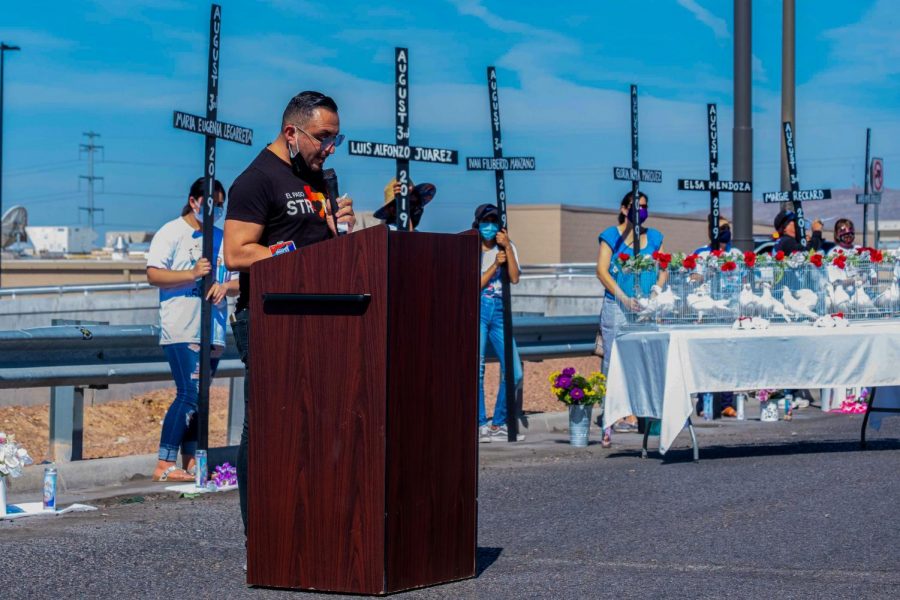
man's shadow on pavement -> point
(484, 558)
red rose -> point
(816, 259)
(749, 259)
(779, 255)
(655, 255)
(623, 257)
(729, 265)
(876, 256)
(717, 253)
(663, 265)
(840, 261)
(690, 262)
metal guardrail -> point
(74, 289)
(70, 358)
(87, 355)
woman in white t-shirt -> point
(175, 265)
(496, 250)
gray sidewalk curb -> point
(86, 474)
(550, 422)
(103, 472)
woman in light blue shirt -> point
(620, 286)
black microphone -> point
(331, 191)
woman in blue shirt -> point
(620, 286)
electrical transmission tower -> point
(90, 148)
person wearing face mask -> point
(496, 251)
(419, 196)
(620, 286)
(844, 237)
(175, 265)
(278, 205)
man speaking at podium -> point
(278, 205)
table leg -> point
(869, 403)
(646, 437)
(694, 440)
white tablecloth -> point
(653, 374)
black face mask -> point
(298, 164)
(724, 235)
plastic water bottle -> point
(707, 406)
(202, 467)
(739, 401)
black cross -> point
(498, 164)
(635, 174)
(796, 195)
(402, 152)
(211, 129)
(713, 185)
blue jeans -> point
(179, 428)
(492, 331)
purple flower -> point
(564, 381)
(568, 371)
(577, 394)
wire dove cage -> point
(793, 291)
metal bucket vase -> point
(2, 496)
(768, 412)
(579, 424)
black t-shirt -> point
(290, 207)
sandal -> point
(164, 476)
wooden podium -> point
(363, 417)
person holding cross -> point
(278, 205)
(497, 250)
(175, 265)
(616, 245)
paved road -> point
(786, 510)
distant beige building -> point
(563, 233)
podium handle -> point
(316, 304)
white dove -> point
(796, 306)
(659, 304)
(702, 303)
(889, 297)
(839, 299)
(770, 304)
(666, 301)
(807, 297)
(861, 299)
(747, 300)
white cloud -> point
(718, 25)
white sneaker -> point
(484, 434)
(800, 403)
(501, 434)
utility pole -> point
(90, 148)
(787, 86)
(742, 137)
(4, 48)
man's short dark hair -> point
(301, 107)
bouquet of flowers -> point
(224, 475)
(13, 457)
(766, 394)
(853, 404)
(571, 388)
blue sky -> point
(121, 68)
